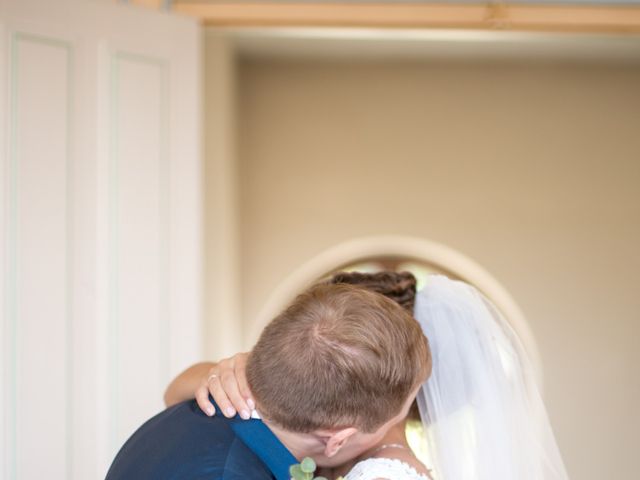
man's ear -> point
(337, 439)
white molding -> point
(114, 326)
(12, 327)
(439, 255)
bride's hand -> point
(227, 383)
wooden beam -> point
(619, 19)
(157, 4)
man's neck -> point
(299, 444)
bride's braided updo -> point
(398, 286)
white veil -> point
(481, 410)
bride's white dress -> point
(387, 468)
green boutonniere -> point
(304, 470)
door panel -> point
(101, 227)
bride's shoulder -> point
(407, 457)
(379, 468)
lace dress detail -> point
(388, 468)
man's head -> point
(341, 365)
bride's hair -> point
(398, 286)
(342, 354)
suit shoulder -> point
(242, 463)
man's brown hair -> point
(338, 356)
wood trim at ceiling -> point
(148, 3)
(490, 16)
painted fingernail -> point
(230, 412)
(210, 411)
(245, 414)
(251, 404)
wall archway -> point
(440, 256)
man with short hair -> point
(330, 376)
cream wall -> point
(533, 171)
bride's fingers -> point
(241, 378)
(220, 396)
(202, 398)
(230, 387)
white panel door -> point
(100, 212)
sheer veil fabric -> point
(482, 413)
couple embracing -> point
(335, 376)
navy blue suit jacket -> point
(182, 443)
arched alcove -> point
(438, 256)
